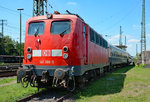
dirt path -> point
(13, 82)
(7, 77)
(148, 66)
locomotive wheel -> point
(33, 82)
(82, 81)
(71, 84)
(24, 82)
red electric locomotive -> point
(62, 50)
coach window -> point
(101, 41)
(36, 28)
(105, 44)
(84, 31)
(112, 54)
(92, 35)
(97, 39)
(60, 27)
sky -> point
(104, 16)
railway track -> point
(8, 70)
(8, 73)
(9, 67)
(48, 96)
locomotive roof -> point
(56, 16)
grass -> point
(2, 63)
(14, 92)
(128, 84)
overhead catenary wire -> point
(10, 26)
(11, 30)
(14, 11)
(53, 5)
(121, 19)
(14, 34)
(14, 27)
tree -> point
(11, 47)
(0, 43)
(17, 45)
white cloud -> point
(136, 26)
(148, 48)
(114, 39)
(130, 45)
(133, 40)
(128, 36)
(131, 48)
(71, 3)
(116, 36)
(148, 24)
(148, 35)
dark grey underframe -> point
(78, 70)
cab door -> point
(85, 43)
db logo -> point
(46, 53)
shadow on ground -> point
(147, 66)
(109, 84)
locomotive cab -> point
(53, 49)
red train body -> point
(62, 47)
(81, 50)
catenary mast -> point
(143, 29)
(39, 7)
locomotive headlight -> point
(29, 56)
(49, 15)
(29, 49)
(65, 49)
(65, 56)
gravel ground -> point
(51, 96)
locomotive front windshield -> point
(60, 27)
(36, 28)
